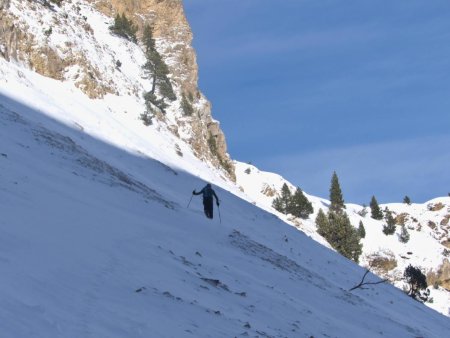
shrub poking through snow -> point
(417, 282)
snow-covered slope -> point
(96, 241)
(426, 223)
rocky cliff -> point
(51, 49)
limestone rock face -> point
(32, 46)
(10, 37)
(441, 276)
(4, 4)
(174, 42)
(169, 23)
(445, 274)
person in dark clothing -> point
(208, 194)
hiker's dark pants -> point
(208, 206)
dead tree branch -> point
(367, 283)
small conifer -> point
(404, 235)
(186, 106)
(299, 205)
(375, 209)
(361, 230)
(276, 204)
(124, 27)
(285, 198)
(336, 199)
(322, 224)
(389, 227)
(158, 70)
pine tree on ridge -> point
(336, 199)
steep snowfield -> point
(96, 239)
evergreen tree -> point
(389, 227)
(285, 198)
(361, 230)
(344, 237)
(158, 70)
(323, 226)
(336, 199)
(299, 205)
(407, 200)
(390, 220)
(404, 235)
(186, 106)
(375, 209)
(276, 204)
(146, 118)
(338, 231)
(416, 279)
(124, 27)
(282, 203)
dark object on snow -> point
(140, 289)
(367, 283)
(208, 194)
(417, 281)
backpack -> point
(207, 192)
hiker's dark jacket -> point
(208, 194)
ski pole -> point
(220, 218)
(190, 201)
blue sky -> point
(303, 88)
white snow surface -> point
(423, 250)
(99, 237)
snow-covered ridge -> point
(428, 225)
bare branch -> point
(367, 283)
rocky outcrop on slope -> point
(10, 36)
(38, 35)
(175, 43)
(440, 277)
(46, 47)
